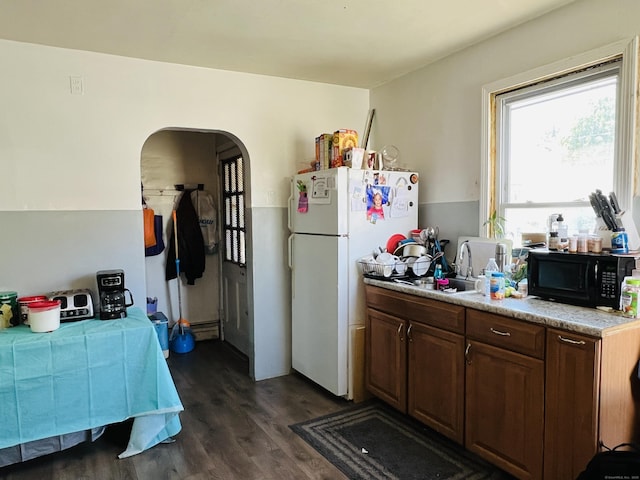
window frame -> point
(625, 145)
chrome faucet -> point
(465, 245)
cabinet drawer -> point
(417, 309)
(507, 333)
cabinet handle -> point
(573, 342)
(409, 333)
(467, 355)
(400, 332)
(498, 332)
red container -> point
(24, 306)
(44, 316)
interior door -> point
(236, 328)
(236, 316)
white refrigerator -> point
(335, 218)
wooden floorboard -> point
(232, 428)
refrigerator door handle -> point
(290, 248)
(289, 211)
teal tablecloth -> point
(84, 375)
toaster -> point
(74, 304)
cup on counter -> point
(481, 284)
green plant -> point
(496, 225)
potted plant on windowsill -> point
(496, 225)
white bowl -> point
(420, 266)
(401, 267)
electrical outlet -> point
(77, 85)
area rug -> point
(372, 441)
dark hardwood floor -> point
(232, 428)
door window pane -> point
(233, 196)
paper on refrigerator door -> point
(358, 198)
(401, 198)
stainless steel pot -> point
(413, 250)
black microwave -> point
(585, 279)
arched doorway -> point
(213, 163)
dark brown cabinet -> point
(504, 403)
(592, 396)
(414, 364)
(386, 371)
(532, 399)
(436, 379)
(571, 404)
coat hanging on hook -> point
(206, 210)
(190, 243)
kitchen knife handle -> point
(594, 204)
(614, 203)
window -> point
(233, 200)
(559, 134)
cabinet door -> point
(505, 408)
(570, 438)
(386, 358)
(436, 379)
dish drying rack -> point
(369, 268)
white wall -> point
(62, 152)
(434, 115)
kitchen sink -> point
(463, 284)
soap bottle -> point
(491, 267)
(563, 233)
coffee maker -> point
(113, 303)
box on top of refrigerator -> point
(342, 139)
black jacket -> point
(190, 243)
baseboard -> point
(206, 330)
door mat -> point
(372, 441)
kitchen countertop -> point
(587, 321)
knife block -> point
(603, 232)
(625, 221)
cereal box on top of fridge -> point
(342, 139)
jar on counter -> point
(583, 242)
(629, 297)
(554, 241)
(523, 287)
(573, 244)
(9, 310)
(619, 241)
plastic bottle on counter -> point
(437, 273)
(496, 286)
(491, 267)
(563, 233)
(629, 297)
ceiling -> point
(360, 43)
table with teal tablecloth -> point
(85, 375)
